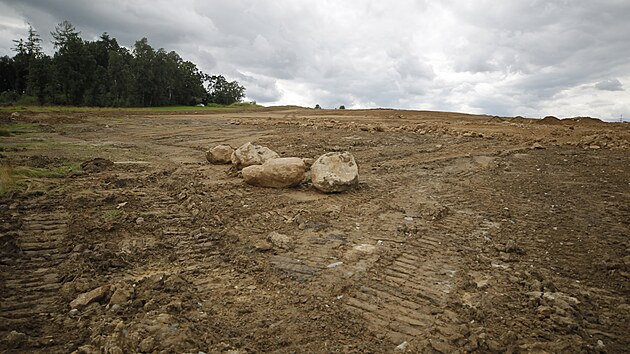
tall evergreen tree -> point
(102, 73)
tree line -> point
(103, 73)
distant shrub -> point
(342, 107)
(317, 106)
(25, 100)
(8, 97)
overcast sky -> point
(530, 58)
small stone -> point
(14, 339)
(537, 146)
(594, 147)
(73, 313)
(87, 349)
(174, 306)
(335, 172)
(121, 295)
(334, 265)
(220, 154)
(85, 299)
(308, 162)
(139, 220)
(279, 240)
(263, 246)
(365, 248)
(115, 308)
(402, 346)
(147, 345)
(251, 154)
(276, 173)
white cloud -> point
(507, 58)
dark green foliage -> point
(221, 91)
(342, 107)
(102, 73)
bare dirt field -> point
(466, 234)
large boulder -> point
(220, 154)
(251, 154)
(277, 173)
(335, 172)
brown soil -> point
(460, 238)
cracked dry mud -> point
(463, 236)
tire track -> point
(408, 299)
(31, 281)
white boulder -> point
(220, 154)
(276, 173)
(251, 154)
(335, 172)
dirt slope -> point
(467, 234)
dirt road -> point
(466, 234)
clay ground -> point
(460, 238)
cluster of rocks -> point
(260, 166)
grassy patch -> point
(31, 179)
(38, 172)
(7, 180)
(17, 128)
(111, 214)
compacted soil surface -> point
(466, 233)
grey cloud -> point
(609, 85)
(485, 56)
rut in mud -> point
(462, 237)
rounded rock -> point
(251, 154)
(277, 173)
(220, 154)
(335, 172)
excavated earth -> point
(466, 234)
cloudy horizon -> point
(535, 58)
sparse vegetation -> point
(7, 181)
(40, 172)
(17, 128)
(111, 214)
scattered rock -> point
(220, 154)
(365, 248)
(121, 295)
(139, 220)
(335, 172)
(537, 146)
(87, 349)
(147, 345)
(402, 346)
(308, 162)
(251, 154)
(14, 339)
(279, 240)
(263, 246)
(98, 164)
(334, 265)
(73, 313)
(174, 306)
(276, 173)
(85, 299)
